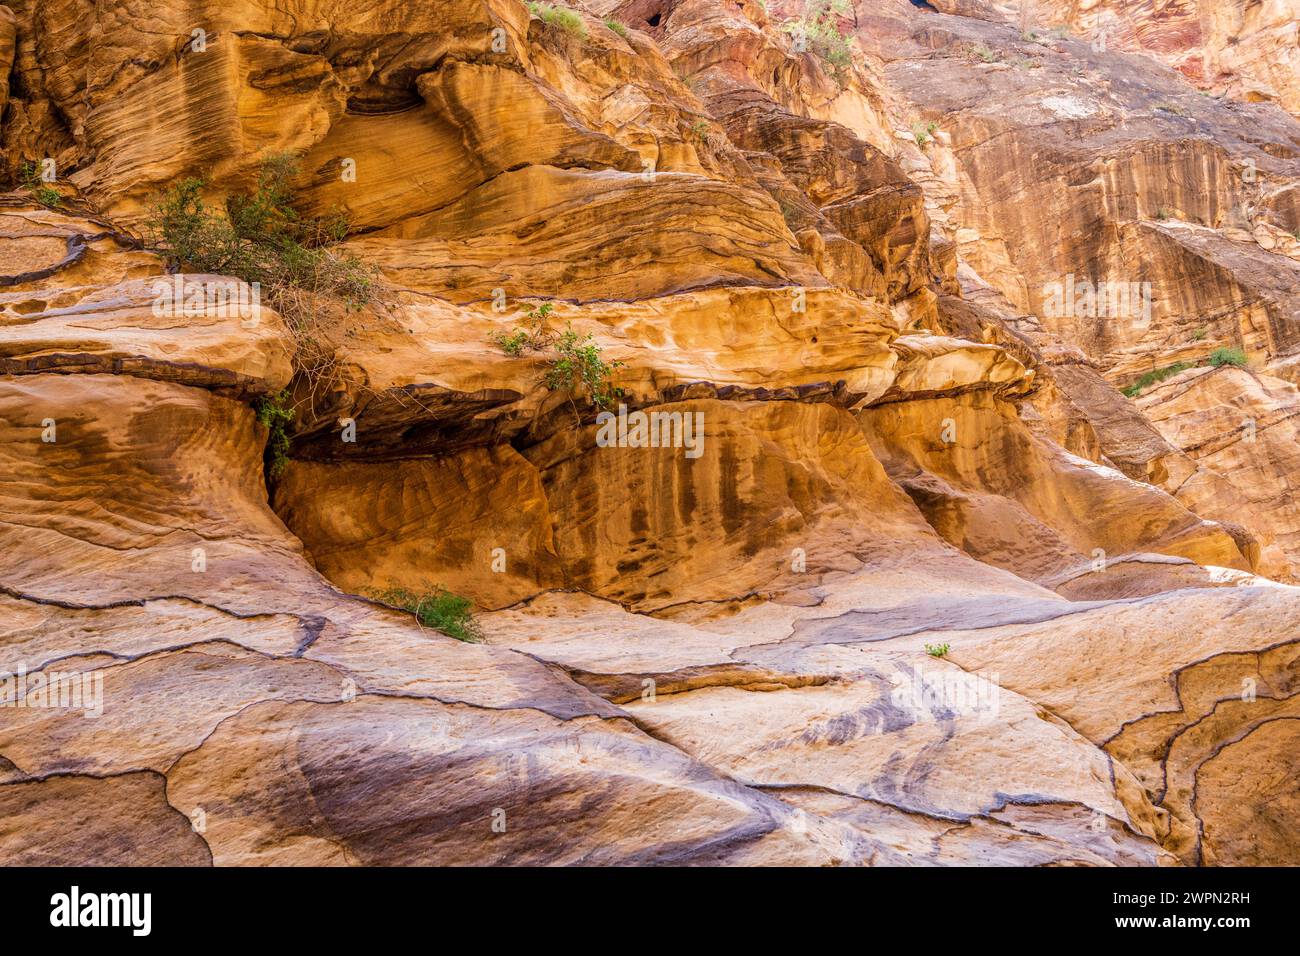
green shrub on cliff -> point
(576, 365)
(1226, 356)
(1216, 359)
(819, 32)
(1156, 375)
(435, 607)
(554, 15)
(260, 237)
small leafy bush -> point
(1226, 356)
(576, 365)
(531, 336)
(923, 132)
(612, 24)
(435, 607)
(937, 650)
(259, 237)
(580, 367)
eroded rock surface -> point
(908, 580)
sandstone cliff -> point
(962, 566)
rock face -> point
(1245, 48)
(871, 561)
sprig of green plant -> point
(41, 191)
(531, 336)
(577, 365)
(435, 607)
(937, 650)
(923, 132)
(616, 26)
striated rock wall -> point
(920, 585)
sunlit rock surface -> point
(910, 579)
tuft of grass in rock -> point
(1226, 356)
(1216, 359)
(274, 413)
(790, 213)
(985, 54)
(555, 15)
(612, 24)
(41, 191)
(1155, 376)
(435, 607)
(937, 650)
(924, 132)
(819, 27)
